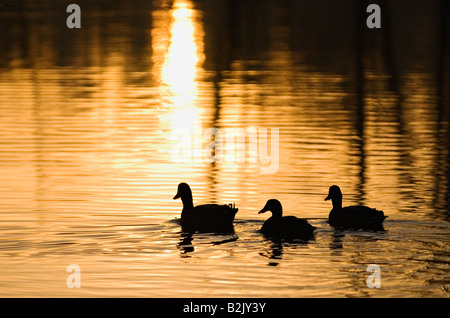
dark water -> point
(98, 126)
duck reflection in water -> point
(362, 237)
(186, 246)
(274, 253)
(274, 250)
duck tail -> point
(232, 207)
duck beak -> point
(263, 210)
(327, 198)
(177, 196)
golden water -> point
(88, 120)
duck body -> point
(209, 218)
(285, 227)
(289, 227)
(352, 217)
(204, 218)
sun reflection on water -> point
(180, 60)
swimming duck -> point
(352, 217)
(204, 218)
(287, 227)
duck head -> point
(274, 206)
(335, 195)
(184, 192)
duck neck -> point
(187, 202)
(277, 214)
(337, 203)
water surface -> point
(89, 162)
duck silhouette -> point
(284, 227)
(204, 218)
(352, 217)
